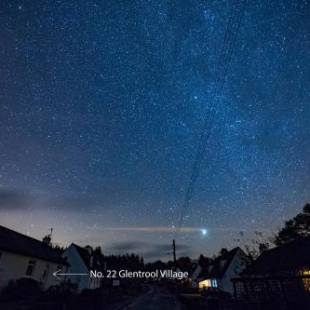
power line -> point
(229, 41)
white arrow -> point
(58, 273)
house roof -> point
(86, 257)
(17, 243)
(285, 258)
(218, 267)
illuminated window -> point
(30, 267)
(207, 283)
(306, 280)
(204, 284)
(214, 283)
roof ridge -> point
(21, 234)
(79, 247)
(286, 244)
(16, 242)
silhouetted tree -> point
(223, 252)
(128, 261)
(204, 261)
(98, 251)
(201, 259)
(184, 263)
(47, 239)
(296, 228)
(263, 246)
(59, 249)
(89, 248)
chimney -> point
(48, 238)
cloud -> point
(13, 199)
(149, 251)
(165, 251)
(128, 246)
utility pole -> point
(174, 255)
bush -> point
(61, 291)
(21, 289)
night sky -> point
(102, 104)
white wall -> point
(14, 266)
(237, 265)
(77, 266)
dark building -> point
(218, 273)
(278, 279)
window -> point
(214, 283)
(204, 284)
(30, 267)
(306, 279)
(45, 272)
(207, 283)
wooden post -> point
(174, 255)
(235, 289)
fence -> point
(268, 292)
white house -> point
(219, 272)
(82, 261)
(25, 257)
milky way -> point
(102, 104)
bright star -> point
(204, 232)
